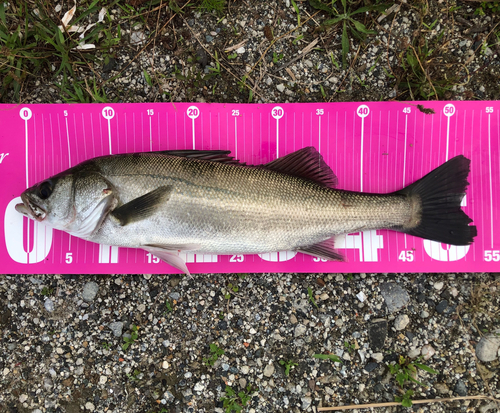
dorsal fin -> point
(212, 156)
(305, 163)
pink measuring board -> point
(372, 147)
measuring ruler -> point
(372, 147)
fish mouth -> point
(31, 210)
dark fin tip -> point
(324, 249)
(440, 193)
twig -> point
(302, 54)
(378, 405)
(236, 46)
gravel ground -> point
(62, 337)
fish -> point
(168, 202)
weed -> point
(323, 93)
(350, 347)
(331, 357)
(349, 277)
(105, 345)
(348, 21)
(213, 5)
(235, 402)
(311, 297)
(231, 289)
(296, 11)
(277, 57)
(135, 376)
(289, 364)
(232, 56)
(406, 371)
(492, 6)
(46, 291)
(168, 307)
(215, 352)
(130, 340)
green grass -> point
(236, 401)
(215, 353)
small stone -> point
(488, 347)
(90, 290)
(240, 50)
(117, 328)
(165, 365)
(225, 366)
(175, 296)
(293, 319)
(377, 333)
(438, 285)
(370, 367)
(414, 353)
(377, 357)
(242, 382)
(103, 379)
(199, 387)
(49, 305)
(23, 398)
(269, 370)
(141, 308)
(306, 402)
(361, 296)
(300, 330)
(428, 351)
(245, 369)
(442, 388)
(281, 87)
(395, 297)
(89, 406)
(308, 63)
(209, 38)
(147, 276)
(442, 306)
(424, 314)
(461, 388)
(401, 322)
(339, 322)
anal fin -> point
(171, 257)
(324, 249)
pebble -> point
(308, 63)
(442, 306)
(300, 330)
(269, 370)
(293, 319)
(245, 369)
(209, 38)
(281, 87)
(370, 367)
(89, 406)
(461, 388)
(414, 353)
(377, 357)
(49, 305)
(377, 333)
(103, 379)
(23, 398)
(395, 297)
(488, 347)
(442, 388)
(306, 402)
(428, 351)
(242, 382)
(424, 314)
(117, 328)
(438, 285)
(90, 290)
(141, 308)
(240, 50)
(175, 296)
(361, 296)
(401, 322)
(199, 386)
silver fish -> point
(207, 202)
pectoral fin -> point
(171, 257)
(143, 206)
(324, 249)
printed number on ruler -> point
(489, 109)
(193, 112)
(492, 255)
(406, 256)
(108, 113)
(407, 110)
(69, 258)
(152, 258)
(449, 109)
(151, 112)
(65, 113)
(277, 112)
(363, 111)
(367, 243)
(235, 112)
(25, 113)
(236, 258)
(320, 112)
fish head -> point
(73, 202)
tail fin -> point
(440, 193)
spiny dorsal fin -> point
(305, 163)
(143, 206)
(324, 249)
(212, 156)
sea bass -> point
(207, 202)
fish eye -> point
(45, 189)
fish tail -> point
(436, 199)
